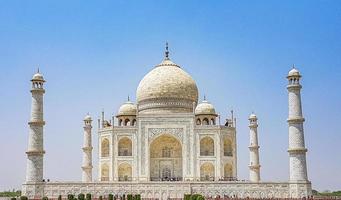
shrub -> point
(200, 198)
(124, 197)
(129, 197)
(100, 197)
(193, 197)
(13, 198)
(23, 198)
(111, 197)
(81, 196)
(88, 196)
(45, 198)
(187, 197)
(60, 197)
(137, 197)
(70, 196)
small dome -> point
(252, 116)
(87, 118)
(205, 108)
(294, 72)
(38, 77)
(128, 108)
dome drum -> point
(172, 105)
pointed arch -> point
(228, 150)
(198, 121)
(127, 122)
(134, 122)
(125, 147)
(105, 147)
(207, 146)
(207, 172)
(124, 172)
(104, 172)
(228, 172)
(205, 121)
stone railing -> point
(170, 189)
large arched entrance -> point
(165, 159)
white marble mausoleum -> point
(167, 144)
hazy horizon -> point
(93, 56)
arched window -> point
(105, 148)
(127, 122)
(205, 121)
(212, 121)
(207, 172)
(198, 121)
(206, 146)
(104, 172)
(228, 175)
(228, 151)
(124, 147)
(120, 122)
(124, 172)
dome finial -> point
(38, 70)
(293, 66)
(204, 97)
(166, 52)
(128, 97)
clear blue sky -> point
(94, 53)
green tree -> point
(81, 196)
(88, 196)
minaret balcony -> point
(297, 150)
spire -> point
(204, 97)
(166, 52)
(128, 98)
(38, 70)
(293, 66)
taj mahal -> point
(168, 144)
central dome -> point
(167, 88)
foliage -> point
(13, 198)
(81, 196)
(193, 197)
(23, 198)
(137, 197)
(187, 197)
(111, 197)
(45, 198)
(88, 196)
(327, 193)
(129, 197)
(10, 193)
(200, 198)
(100, 198)
(60, 197)
(70, 196)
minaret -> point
(87, 151)
(297, 150)
(254, 150)
(35, 151)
